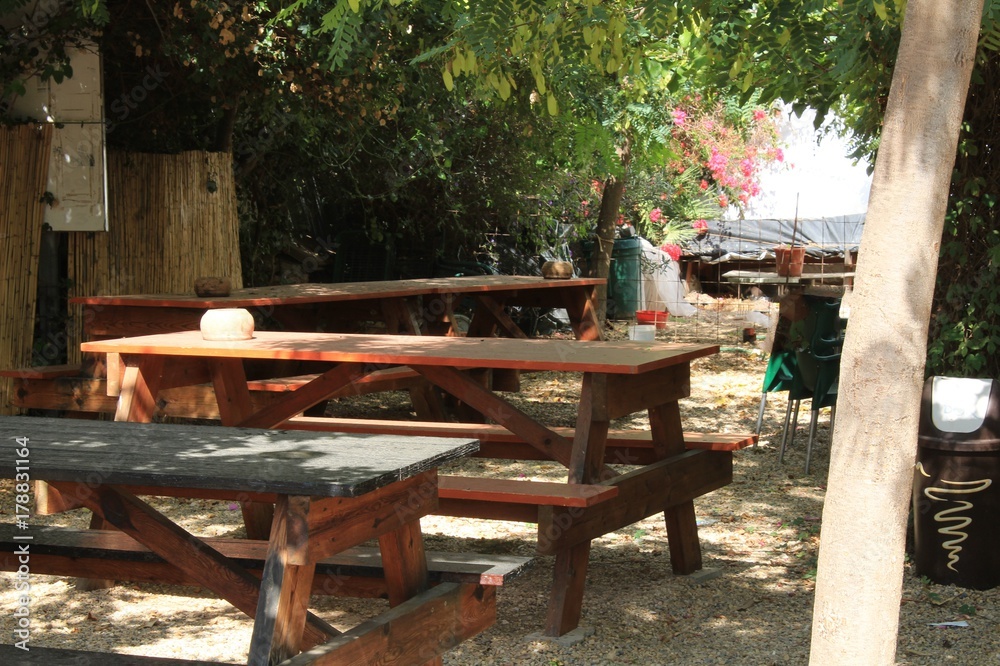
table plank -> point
(618, 357)
(230, 459)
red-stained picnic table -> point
(619, 378)
(417, 306)
(405, 306)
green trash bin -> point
(625, 279)
(956, 484)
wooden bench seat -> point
(44, 371)
(624, 447)
(517, 491)
(10, 654)
(513, 499)
(357, 572)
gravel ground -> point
(759, 536)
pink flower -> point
(746, 166)
(673, 251)
(663, 196)
(779, 155)
(700, 225)
(655, 215)
(723, 201)
(717, 161)
(703, 184)
(759, 115)
(679, 117)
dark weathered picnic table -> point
(331, 492)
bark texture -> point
(604, 241)
(607, 218)
(859, 582)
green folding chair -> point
(818, 366)
(782, 374)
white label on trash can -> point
(959, 404)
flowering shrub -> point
(720, 149)
(673, 250)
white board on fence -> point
(76, 188)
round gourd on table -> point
(227, 324)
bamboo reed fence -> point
(24, 159)
(172, 219)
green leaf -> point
(553, 105)
(735, 69)
(449, 82)
(880, 11)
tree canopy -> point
(432, 118)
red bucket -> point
(652, 317)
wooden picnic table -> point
(816, 279)
(418, 306)
(405, 306)
(331, 492)
(619, 378)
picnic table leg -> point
(581, 306)
(140, 386)
(586, 466)
(284, 591)
(97, 522)
(405, 566)
(566, 597)
(233, 397)
(404, 562)
(682, 528)
(402, 316)
(136, 402)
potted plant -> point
(789, 259)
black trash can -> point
(956, 486)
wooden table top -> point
(343, 291)
(613, 357)
(760, 277)
(220, 458)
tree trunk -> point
(600, 265)
(611, 203)
(859, 583)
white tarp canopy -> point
(661, 286)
